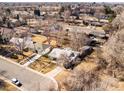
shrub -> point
(14, 56)
(26, 49)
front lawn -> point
(22, 57)
(43, 65)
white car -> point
(16, 82)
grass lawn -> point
(59, 78)
(41, 39)
(38, 38)
(20, 57)
(43, 65)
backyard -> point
(42, 39)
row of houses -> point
(9, 33)
(99, 23)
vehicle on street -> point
(16, 82)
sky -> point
(61, 0)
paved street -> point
(31, 80)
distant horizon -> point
(61, 2)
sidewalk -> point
(29, 69)
(32, 60)
(54, 72)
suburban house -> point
(56, 53)
(22, 42)
(6, 33)
(22, 31)
(28, 43)
(99, 34)
(94, 23)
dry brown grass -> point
(60, 77)
(21, 57)
(121, 86)
(41, 39)
(86, 65)
(8, 87)
(43, 65)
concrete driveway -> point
(31, 80)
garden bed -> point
(43, 65)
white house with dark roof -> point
(56, 53)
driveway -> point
(31, 80)
(54, 72)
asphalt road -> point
(31, 81)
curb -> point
(8, 81)
(54, 81)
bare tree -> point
(109, 83)
(21, 45)
(64, 59)
(82, 81)
(74, 39)
(78, 40)
(118, 22)
(62, 38)
(118, 9)
(67, 14)
(52, 30)
(113, 53)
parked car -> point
(16, 82)
(72, 63)
(101, 35)
(86, 50)
(69, 65)
(93, 42)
